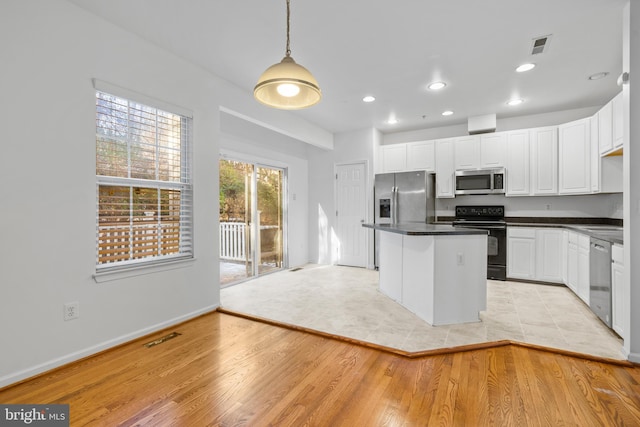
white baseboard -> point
(633, 357)
(72, 357)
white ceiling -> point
(393, 49)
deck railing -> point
(233, 241)
(126, 241)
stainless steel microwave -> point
(481, 181)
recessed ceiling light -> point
(447, 113)
(437, 85)
(368, 98)
(392, 121)
(525, 67)
(598, 76)
(515, 101)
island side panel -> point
(391, 265)
(461, 278)
(418, 276)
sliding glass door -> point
(252, 222)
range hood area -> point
(481, 124)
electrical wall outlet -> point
(460, 258)
(71, 310)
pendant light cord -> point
(288, 52)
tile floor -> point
(345, 301)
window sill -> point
(140, 270)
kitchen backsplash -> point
(587, 206)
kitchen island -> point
(438, 272)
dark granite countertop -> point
(420, 229)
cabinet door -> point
(572, 267)
(492, 150)
(518, 163)
(595, 154)
(394, 158)
(575, 157)
(521, 253)
(467, 152)
(583, 267)
(421, 155)
(445, 179)
(549, 263)
(618, 297)
(544, 160)
(605, 128)
(617, 121)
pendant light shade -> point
(287, 85)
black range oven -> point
(490, 218)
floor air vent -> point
(161, 340)
(296, 269)
(540, 44)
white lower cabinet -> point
(549, 262)
(578, 264)
(583, 267)
(535, 254)
(521, 253)
(572, 261)
(618, 293)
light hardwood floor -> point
(229, 371)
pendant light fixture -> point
(287, 85)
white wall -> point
(348, 147)
(245, 141)
(47, 220)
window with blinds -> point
(144, 212)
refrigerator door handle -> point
(394, 205)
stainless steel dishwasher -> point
(600, 279)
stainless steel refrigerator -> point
(403, 198)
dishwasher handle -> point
(599, 247)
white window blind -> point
(144, 191)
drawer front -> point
(522, 232)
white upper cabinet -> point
(445, 168)
(544, 160)
(605, 128)
(467, 152)
(421, 155)
(617, 121)
(517, 163)
(393, 158)
(606, 172)
(595, 154)
(492, 150)
(575, 157)
(610, 125)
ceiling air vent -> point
(540, 44)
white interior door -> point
(351, 208)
